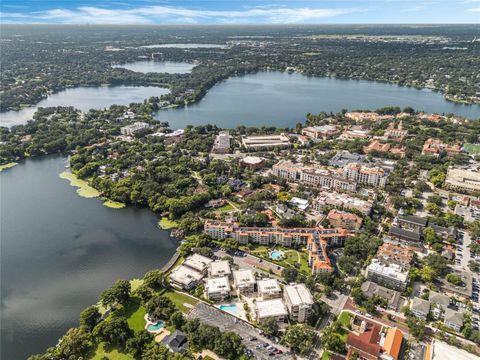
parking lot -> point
(261, 347)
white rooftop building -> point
(217, 289)
(219, 268)
(390, 275)
(131, 129)
(273, 308)
(184, 277)
(244, 281)
(299, 302)
(268, 289)
(265, 141)
(198, 262)
(301, 204)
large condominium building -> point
(222, 143)
(268, 289)
(133, 128)
(343, 219)
(184, 277)
(270, 309)
(198, 263)
(244, 281)
(326, 199)
(368, 175)
(265, 142)
(316, 239)
(389, 253)
(310, 176)
(299, 302)
(389, 275)
(463, 180)
(217, 289)
(219, 268)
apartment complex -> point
(339, 200)
(268, 309)
(369, 175)
(343, 219)
(389, 275)
(132, 129)
(389, 253)
(268, 289)
(217, 289)
(299, 302)
(191, 272)
(316, 239)
(244, 281)
(310, 176)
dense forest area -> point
(39, 60)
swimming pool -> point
(232, 308)
(155, 327)
(276, 254)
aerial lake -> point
(59, 251)
(169, 67)
(282, 99)
(85, 98)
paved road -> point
(226, 322)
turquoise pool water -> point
(229, 308)
(155, 327)
(276, 255)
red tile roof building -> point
(316, 239)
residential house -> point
(371, 289)
(176, 342)
(420, 308)
(453, 319)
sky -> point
(240, 11)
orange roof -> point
(393, 342)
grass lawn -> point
(167, 224)
(100, 354)
(291, 256)
(181, 299)
(345, 318)
(326, 355)
(472, 148)
(134, 312)
(226, 207)
(343, 335)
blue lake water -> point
(169, 67)
(85, 98)
(59, 251)
(283, 99)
